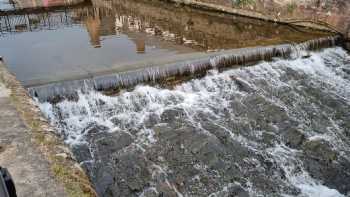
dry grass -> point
(64, 169)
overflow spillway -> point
(278, 128)
(219, 60)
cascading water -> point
(69, 89)
(277, 128)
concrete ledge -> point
(161, 70)
(42, 8)
(30, 170)
(252, 14)
(63, 165)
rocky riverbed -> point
(278, 128)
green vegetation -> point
(74, 185)
(242, 2)
(291, 7)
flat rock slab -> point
(28, 167)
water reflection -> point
(26, 4)
(200, 30)
(53, 43)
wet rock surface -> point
(273, 129)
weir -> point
(267, 120)
(149, 74)
(281, 125)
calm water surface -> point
(56, 43)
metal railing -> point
(34, 22)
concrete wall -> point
(22, 4)
(336, 13)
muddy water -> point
(42, 46)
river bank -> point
(40, 164)
(276, 127)
(28, 167)
(332, 14)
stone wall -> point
(335, 13)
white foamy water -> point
(235, 96)
(286, 158)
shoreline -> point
(316, 24)
(64, 168)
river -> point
(278, 127)
(55, 44)
(272, 129)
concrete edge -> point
(39, 9)
(319, 25)
(64, 167)
(142, 64)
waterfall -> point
(68, 89)
(278, 128)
